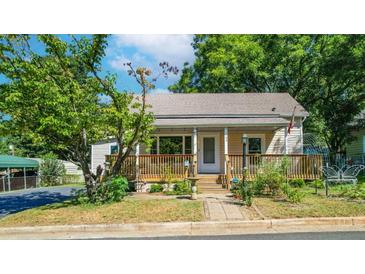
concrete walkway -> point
(220, 207)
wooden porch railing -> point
(156, 167)
(128, 167)
(307, 167)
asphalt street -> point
(338, 235)
(15, 201)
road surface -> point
(338, 235)
(15, 201)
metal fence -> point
(8, 183)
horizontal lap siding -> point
(356, 147)
(276, 140)
(98, 154)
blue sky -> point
(143, 50)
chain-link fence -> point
(9, 183)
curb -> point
(183, 229)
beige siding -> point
(272, 142)
(276, 140)
(357, 146)
(98, 152)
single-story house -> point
(204, 131)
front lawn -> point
(127, 211)
(312, 206)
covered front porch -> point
(178, 153)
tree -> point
(55, 98)
(325, 73)
(51, 170)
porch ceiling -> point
(221, 122)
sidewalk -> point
(184, 229)
(220, 207)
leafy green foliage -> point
(58, 98)
(355, 192)
(180, 188)
(112, 190)
(245, 191)
(51, 170)
(269, 179)
(297, 182)
(156, 188)
(293, 195)
(323, 72)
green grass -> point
(312, 205)
(127, 211)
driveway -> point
(16, 201)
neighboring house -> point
(205, 130)
(355, 151)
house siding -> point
(357, 146)
(276, 140)
(98, 152)
(273, 142)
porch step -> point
(209, 183)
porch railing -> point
(163, 167)
(156, 167)
(307, 167)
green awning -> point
(16, 162)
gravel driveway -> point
(16, 201)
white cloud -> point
(175, 49)
(118, 61)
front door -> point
(208, 153)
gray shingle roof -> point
(224, 105)
(215, 121)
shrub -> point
(269, 179)
(180, 188)
(355, 192)
(156, 188)
(318, 183)
(245, 191)
(293, 195)
(112, 190)
(297, 183)
(51, 171)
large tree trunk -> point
(92, 181)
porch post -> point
(8, 171)
(137, 162)
(25, 178)
(286, 141)
(195, 151)
(225, 150)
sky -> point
(143, 50)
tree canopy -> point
(325, 73)
(59, 99)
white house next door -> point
(208, 153)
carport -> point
(8, 162)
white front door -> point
(208, 153)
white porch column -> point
(225, 150)
(195, 151)
(286, 140)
